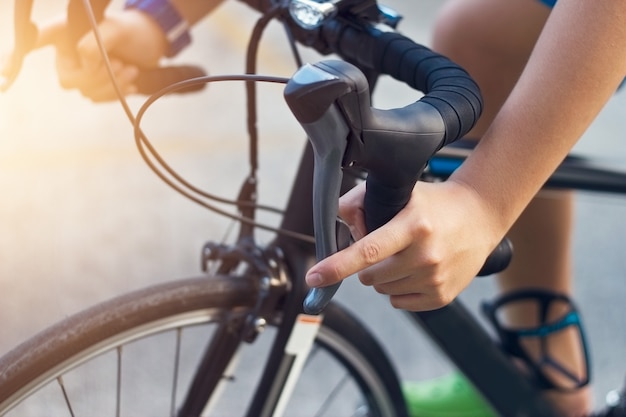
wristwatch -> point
(175, 28)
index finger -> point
(371, 249)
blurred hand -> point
(425, 256)
(132, 40)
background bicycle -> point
(82, 218)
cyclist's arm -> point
(427, 254)
(576, 66)
(133, 39)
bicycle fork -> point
(291, 346)
(220, 362)
(287, 373)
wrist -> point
(493, 221)
(174, 27)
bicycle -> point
(265, 274)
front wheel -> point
(136, 355)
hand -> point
(425, 256)
(132, 40)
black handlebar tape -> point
(150, 80)
(381, 202)
(498, 260)
(447, 86)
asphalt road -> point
(82, 218)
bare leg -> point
(493, 39)
(542, 245)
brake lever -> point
(311, 94)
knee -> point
(455, 34)
(483, 32)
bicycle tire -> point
(42, 364)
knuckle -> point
(437, 282)
(379, 289)
(369, 252)
(394, 301)
(422, 228)
(432, 259)
(333, 270)
(442, 300)
(440, 293)
(401, 303)
(366, 279)
(335, 274)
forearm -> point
(194, 10)
(576, 66)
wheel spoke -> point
(118, 394)
(331, 397)
(65, 396)
(179, 333)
